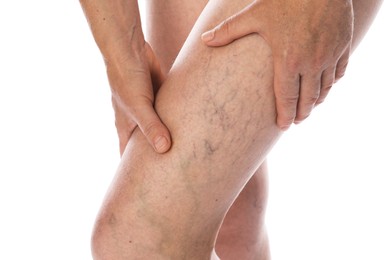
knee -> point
(102, 246)
(98, 242)
(113, 237)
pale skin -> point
(309, 56)
(242, 235)
(220, 109)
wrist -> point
(123, 71)
(116, 27)
(124, 50)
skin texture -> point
(135, 205)
(171, 206)
(242, 234)
(133, 71)
(310, 42)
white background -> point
(329, 177)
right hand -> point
(134, 81)
(310, 42)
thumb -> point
(151, 126)
(233, 28)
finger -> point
(286, 87)
(342, 64)
(309, 92)
(235, 27)
(151, 126)
(327, 81)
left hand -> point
(134, 82)
(310, 42)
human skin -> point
(171, 206)
(133, 71)
(310, 42)
(242, 234)
(118, 209)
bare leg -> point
(242, 234)
(219, 107)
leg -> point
(221, 114)
(242, 234)
(219, 107)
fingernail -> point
(160, 144)
(208, 36)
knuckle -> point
(341, 69)
(319, 62)
(287, 59)
(324, 94)
(326, 87)
(286, 94)
(320, 101)
(311, 99)
(226, 26)
(302, 117)
(284, 123)
(305, 108)
(304, 113)
(327, 81)
(342, 65)
(292, 64)
(340, 73)
(314, 94)
(286, 115)
(288, 99)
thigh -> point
(168, 23)
(219, 106)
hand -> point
(134, 81)
(310, 43)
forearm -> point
(116, 27)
